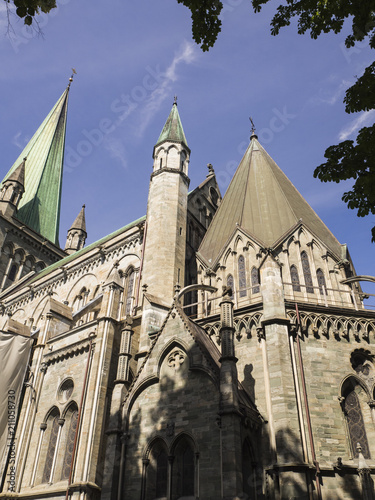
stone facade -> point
(157, 373)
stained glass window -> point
(321, 282)
(69, 445)
(356, 425)
(295, 279)
(255, 280)
(230, 283)
(129, 293)
(51, 450)
(242, 276)
(307, 273)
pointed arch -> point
(184, 471)
(242, 276)
(71, 416)
(350, 391)
(255, 282)
(321, 282)
(157, 470)
(230, 283)
(307, 272)
(295, 278)
(51, 434)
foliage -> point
(349, 161)
(27, 9)
(206, 24)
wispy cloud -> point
(116, 149)
(186, 54)
(364, 119)
(330, 96)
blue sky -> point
(133, 57)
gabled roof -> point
(264, 203)
(173, 130)
(39, 207)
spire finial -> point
(253, 134)
(175, 100)
(74, 72)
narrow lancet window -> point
(321, 282)
(307, 273)
(129, 292)
(242, 276)
(255, 280)
(295, 279)
(230, 283)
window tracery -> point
(356, 424)
(54, 422)
(69, 447)
(307, 273)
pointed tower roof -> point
(173, 130)
(39, 207)
(80, 221)
(263, 202)
(18, 175)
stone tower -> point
(12, 190)
(165, 234)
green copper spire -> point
(39, 207)
(173, 130)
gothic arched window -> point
(53, 423)
(13, 272)
(255, 280)
(242, 276)
(69, 447)
(161, 474)
(356, 424)
(321, 282)
(183, 481)
(295, 279)
(307, 272)
(129, 292)
(157, 472)
(230, 283)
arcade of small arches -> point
(17, 264)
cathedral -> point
(214, 348)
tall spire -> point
(39, 207)
(173, 130)
(263, 202)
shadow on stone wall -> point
(162, 416)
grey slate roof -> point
(264, 203)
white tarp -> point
(14, 357)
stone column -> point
(229, 412)
(364, 473)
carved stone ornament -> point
(176, 358)
(170, 429)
